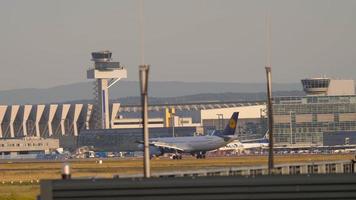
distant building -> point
(13, 148)
(66, 121)
(328, 110)
(213, 116)
(328, 87)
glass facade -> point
(316, 83)
(303, 120)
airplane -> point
(240, 145)
(195, 145)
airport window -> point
(294, 169)
(254, 172)
(314, 105)
(336, 117)
(213, 174)
(235, 173)
(278, 170)
(313, 169)
(347, 168)
(330, 168)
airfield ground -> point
(18, 180)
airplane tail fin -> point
(266, 136)
(231, 126)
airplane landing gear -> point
(200, 155)
(177, 157)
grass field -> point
(19, 192)
(33, 171)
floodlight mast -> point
(270, 119)
(268, 69)
(143, 73)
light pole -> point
(270, 119)
(290, 127)
(143, 73)
(173, 123)
(268, 69)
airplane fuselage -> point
(196, 143)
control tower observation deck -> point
(328, 87)
(106, 73)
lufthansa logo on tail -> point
(232, 123)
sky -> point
(48, 43)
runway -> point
(26, 171)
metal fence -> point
(332, 186)
(317, 180)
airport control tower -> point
(106, 73)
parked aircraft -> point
(195, 145)
(241, 145)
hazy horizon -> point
(158, 81)
(48, 43)
(84, 90)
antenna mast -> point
(268, 68)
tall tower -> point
(106, 73)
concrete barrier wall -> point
(329, 167)
(334, 186)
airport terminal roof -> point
(192, 106)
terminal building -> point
(26, 147)
(172, 121)
(326, 116)
(67, 122)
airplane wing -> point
(166, 145)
